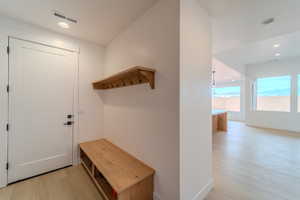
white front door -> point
(41, 97)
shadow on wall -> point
(141, 121)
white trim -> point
(204, 191)
(4, 112)
(44, 44)
(297, 106)
(156, 196)
(76, 115)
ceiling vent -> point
(268, 21)
(62, 16)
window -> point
(273, 94)
(298, 93)
(227, 98)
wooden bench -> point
(117, 175)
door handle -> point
(69, 123)
(69, 116)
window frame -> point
(297, 93)
(254, 88)
(240, 98)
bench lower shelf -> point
(141, 190)
(101, 189)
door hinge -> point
(7, 127)
(7, 166)
(7, 88)
(7, 49)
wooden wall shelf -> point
(117, 175)
(132, 76)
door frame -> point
(4, 137)
(4, 118)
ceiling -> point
(240, 38)
(99, 21)
(239, 22)
(263, 51)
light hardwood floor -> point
(249, 164)
(71, 183)
(256, 164)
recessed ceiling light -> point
(276, 45)
(63, 25)
(277, 54)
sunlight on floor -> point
(71, 183)
(255, 164)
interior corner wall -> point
(142, 121)
(195, 101)
(269, 119)
(91, 106)
(90, 66)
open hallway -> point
(255, 164)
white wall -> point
(267, 119)
(90, 60)
(195, 101)
(142, 121)
(91, 108)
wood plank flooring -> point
(71, 183)
(256, 164)
(249, 164)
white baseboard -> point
(204, 191)
(156, 196)
(199, 196)
(3, 185)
